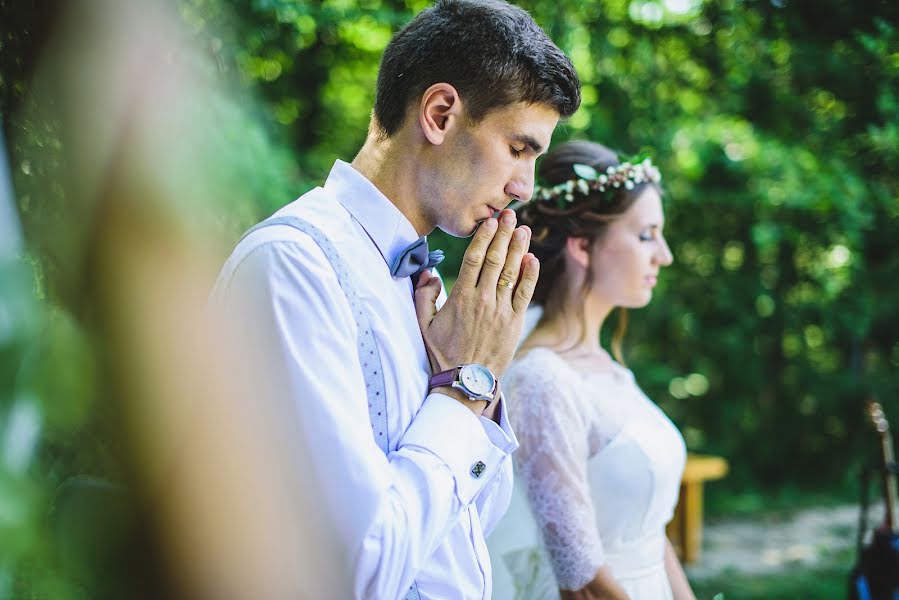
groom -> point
(411, 452)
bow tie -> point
(415, 259)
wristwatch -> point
(476, 381)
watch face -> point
(477, 378)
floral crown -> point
(628, 174)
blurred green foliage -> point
(776, 126)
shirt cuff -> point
(468, 445)
(501, 435)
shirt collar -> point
(387, 227)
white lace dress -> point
(597, 479)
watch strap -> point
(444, 378)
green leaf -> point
(585, 172)
(718, 596)
(640, 157)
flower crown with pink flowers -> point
(628, 175)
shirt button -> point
(478, 469)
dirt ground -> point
(771, 544)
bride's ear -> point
(578, 249)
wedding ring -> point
(503, 282)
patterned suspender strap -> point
(369, 355)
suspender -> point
(369, 355)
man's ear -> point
(440, 110)
(578, 248)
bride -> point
(599, 466)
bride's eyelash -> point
(648, 235)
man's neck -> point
(390, 165)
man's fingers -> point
(474, 255)
(495, 258)
(426, 292)
(508, 277)
(525, 290)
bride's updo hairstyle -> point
(585, 213)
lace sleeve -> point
(552, 464)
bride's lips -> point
(492, 210)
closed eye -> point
(649, 234)
(526, 142)
(516, 152)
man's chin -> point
(461, 230)
(474, 228)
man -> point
(468, 95)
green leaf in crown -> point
(585, 172)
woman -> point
(599, 464)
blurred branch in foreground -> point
(210, 472)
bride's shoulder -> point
(540, 387)
(536, 357)
(537, 366)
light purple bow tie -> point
(415, 259)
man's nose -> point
(521, 187)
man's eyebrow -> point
(529, 141)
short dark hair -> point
(493, 53)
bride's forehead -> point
(647, 207)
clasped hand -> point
(481, 320)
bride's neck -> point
(565, 336)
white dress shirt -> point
(417, 513)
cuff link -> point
(478, 469)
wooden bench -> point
(685, 529)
